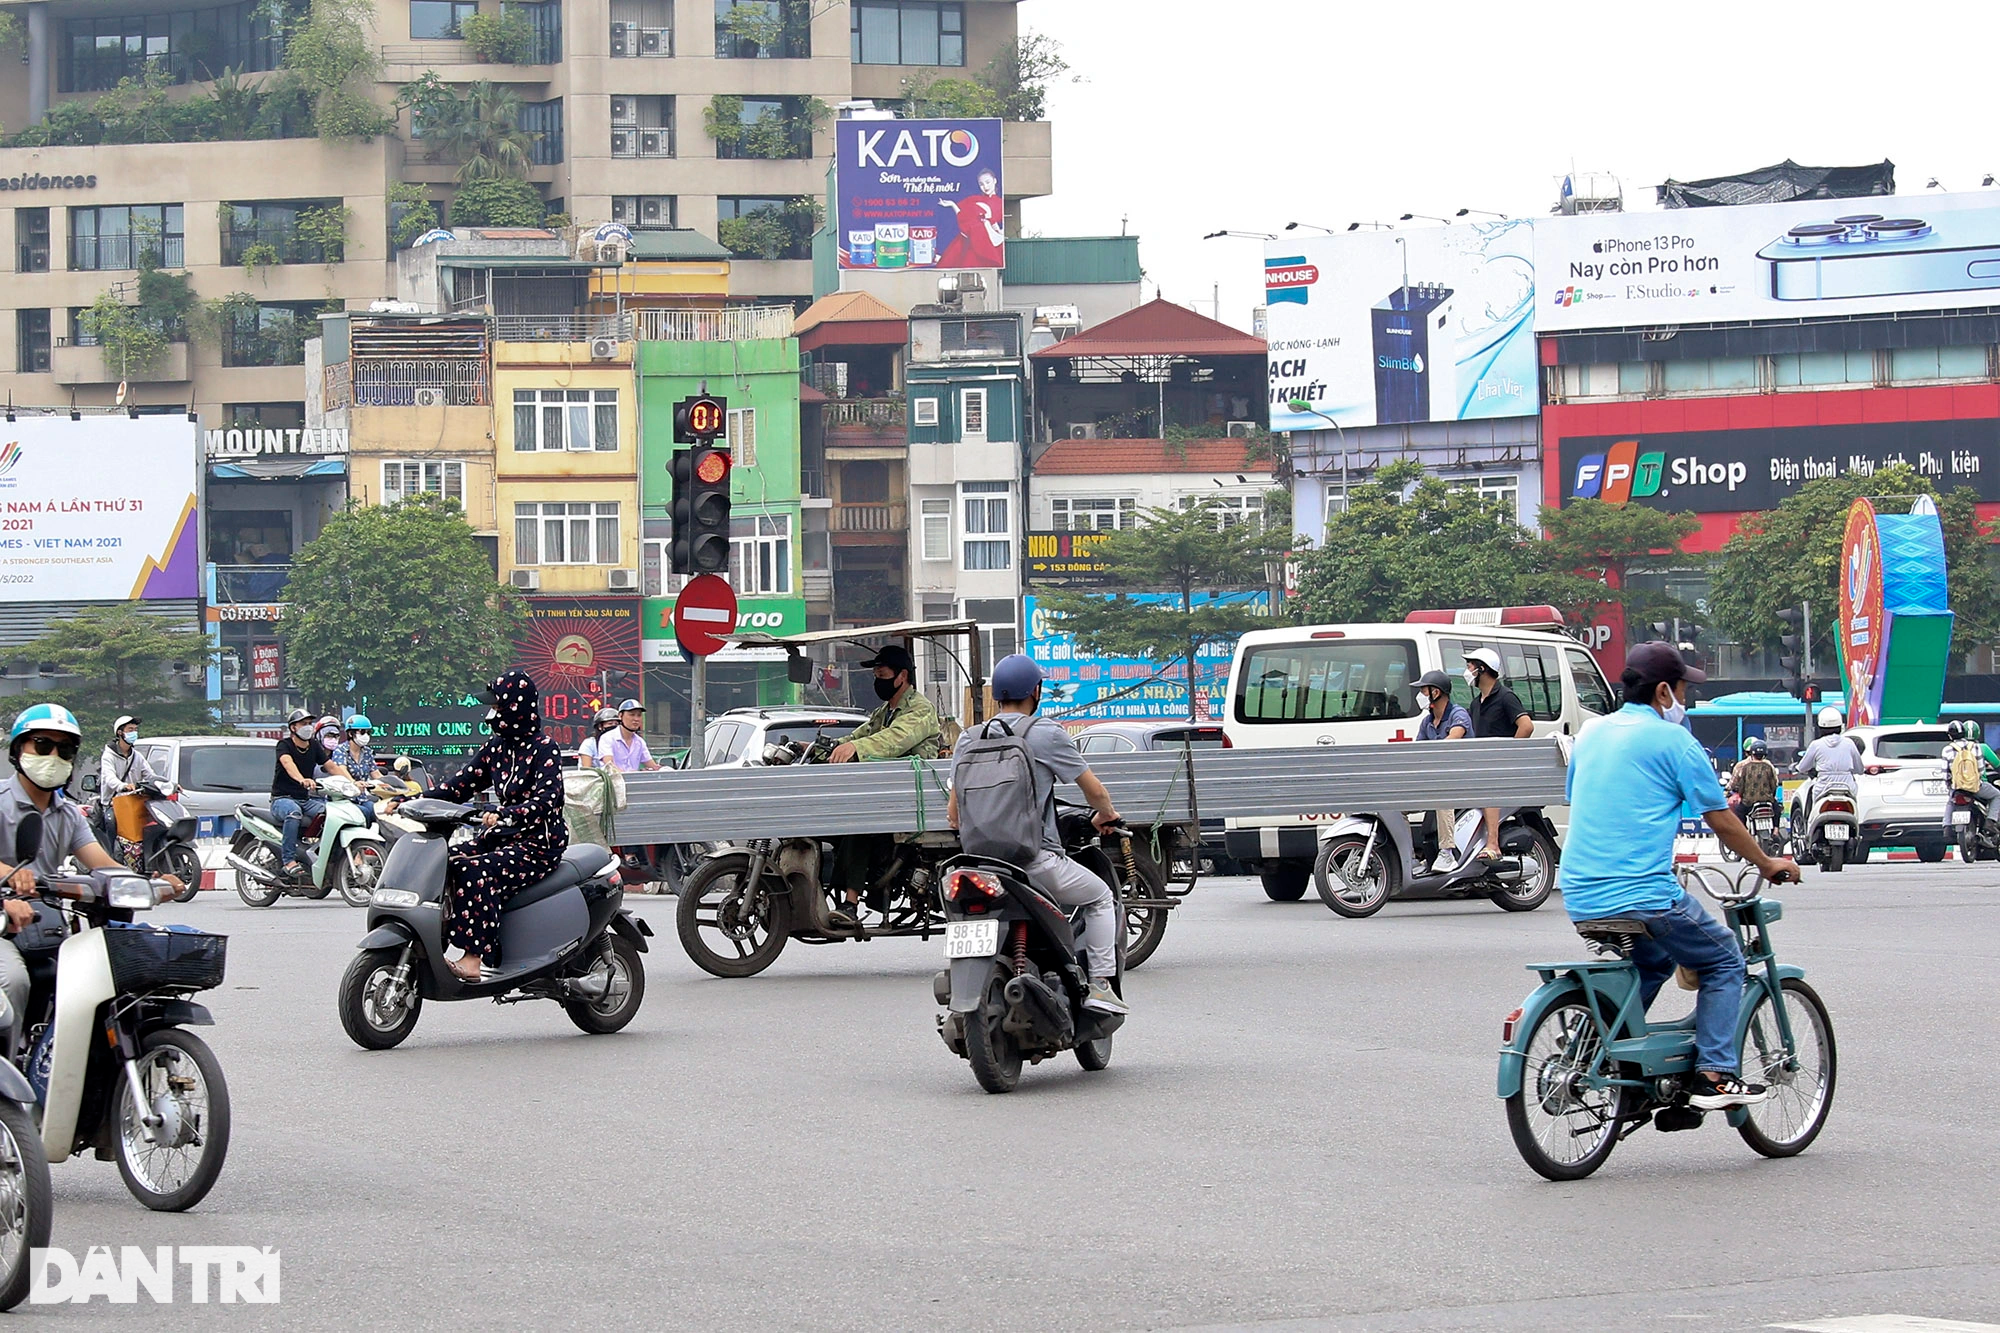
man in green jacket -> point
(904, 727)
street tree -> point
(1194, 558)
(1791, 554)
(1407, 541)
(396, 605)
(118, 659)
(1592, 548)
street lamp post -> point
(1301, 405)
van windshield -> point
(1332, 680)
(230, 768)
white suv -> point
(736, 739)
(1901, 790)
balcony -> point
(634, 40)
(257, 584)
(71, 364)
(864, 412)
(642, 141)
(561, 328)
(432, 383)
(731, 324)
(872, 517)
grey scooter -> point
(566, 938)
(1371, 857)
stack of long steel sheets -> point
(905, 796)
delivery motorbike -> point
(1370, 857)
(1825, 826)
(341, 850)
(153, 822)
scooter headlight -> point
(403, 898)
(131, 892)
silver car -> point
(215, 773)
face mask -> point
(885, 690)
(360, 738)
(47, 771)
(1676, 712)
(132, 736)
(1472, 677)
(303, 733)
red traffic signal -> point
(711, 466)
(699, 419)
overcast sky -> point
(1198, 115)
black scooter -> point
(1014, 979)
(565, 938)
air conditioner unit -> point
(232, 669)
(1240, 430)
(621, 45)
(610, 252)
(653, 41)
(652, 209)
(624, 111)
(624, 143)
(624, 580)
(1083, 430)
(652, 143)
(430, 398)
(194, 673)
(526, 580)
(621, 209)
(603, 348)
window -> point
(763, 29)
(189, 45)
(1530, 670)
(1351, 680)
(642, 127)
(551, 533)
(907, 32)
(645, 212)
(979, 339)
(244, 768)
(31, 341)
(438, 20)
(1591, 691)
(269, 335)
(1103, 742)
(742, 437)
(403, 479)
(642, 28)
(114, 237)
(31, 234)
(924, 411)
(936, 529)
(553, 420)
(544, 120)
(760, 554)
(766, 128)
(998, 634)
(1229, 510)
(987, 525)
(1088, 514)
(272, 227)
(764, 227)
(264, 416)
(972, 415)
(1507, 490)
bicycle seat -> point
(1617, 933)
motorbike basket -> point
(169, 958)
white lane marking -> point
(1889, 1323)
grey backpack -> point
(994, 776)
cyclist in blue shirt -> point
(1630, 777)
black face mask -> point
(885, 690)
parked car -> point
(736, 739)
(1125, 737)
(215, 773)
(1900, 793)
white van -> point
(1356, 685)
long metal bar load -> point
(908, 796)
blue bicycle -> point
(1581, 1068)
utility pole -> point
(698, 715)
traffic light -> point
(1793, 660)
(701, 487)
(700, 419)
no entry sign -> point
(704, 613)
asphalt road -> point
(1298, 1127)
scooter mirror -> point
(28, 838)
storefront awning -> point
(288, 467)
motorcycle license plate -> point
(1937, 788)
(1961, 816)
(971, 939)
(1760, 826)
(1837, 832)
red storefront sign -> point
(583, 653)
(265, 666)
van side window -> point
(1533, 671)
(1591, 691)
(1337, 680)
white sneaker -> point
(1447, 860)
(1105, 1000)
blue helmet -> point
(44, 717)
(360, 722)
(1016, 679)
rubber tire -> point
(354, 985)
(214, 1152)
(995, 1057)
(779, 922)
(586, 1016)
(1858, 853)
(1545, 849)
(1524, 1137)
(19, 1123)
(1748, 1129)
(1139, 946)
(1968, 847)
(1287, 884)
(1323, 876)
(343, 874)
(180, 857)
(1095, 1055)
(250, 849)
(1836, 855)
(1931, 853)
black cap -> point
(894, 656)
(1435, 680)
(1662, 661)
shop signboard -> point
(265, 666)
(776, 616)
(1067, 558)
(442, 733)
(1087, 687)
(100, 509)
(583, 653)
(918, 194)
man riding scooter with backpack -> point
(1017, 692)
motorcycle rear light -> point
(1832, 805)
(972, 890)
(1507, 1026)
(1961, 798)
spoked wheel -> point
(1538, 877)
(727, 933)
(1145, 927)
(185, 1094)
(1563, 1126)
(623, 973)
(378, 1004)
(261, 854)
(25, 1205)
(1801, 1084)
(359, 871)
(184, 863)
(994, 1054)
(1348, 886)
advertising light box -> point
(919, 194)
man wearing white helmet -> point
(42, 748)
(121, 768)
(1831, 756)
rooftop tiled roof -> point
(1077, 458)
(1157, 328)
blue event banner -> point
(1088, 683)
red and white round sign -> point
(704, 614)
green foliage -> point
(763, 29)
(1591, 550)
(330, 57)
(1791, 554)
(1014, 86)
(773, 136)
(260, 255)
(136, 336)
(497, 201)
(773, 233)
(1182, 552)
(401, 602)
(931, 97)
(506, 38)
(325, 229)
(479, 129)
(141, 111)
(123, 657)
(411, 213)
(12, 31)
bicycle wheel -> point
(1563, 1127)
(1801, 1083)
